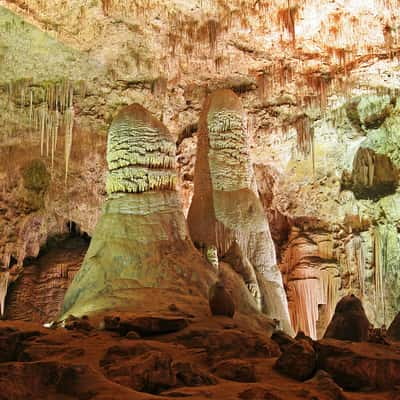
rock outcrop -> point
(141, 255)
(39, 292)
(226, 215)
(359, 365)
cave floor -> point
(213, 358)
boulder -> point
(359, 366)
(282, 339)
(222, 344)
(150, 372)
(326, 385)
(188, 374)
(299, 361)
(235, 370)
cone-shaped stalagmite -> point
(141, 256)
(220, 301)
(349, 321)
(393, 332)
(226, 213)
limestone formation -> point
(141, 255)
(38, 294)
(349, 321)
(220, 301)
(226, 211)
(3, 290)
(393, 332)
(312, 284)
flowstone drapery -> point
(226, 212)
(141, 252)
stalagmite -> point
(380, 251)
(69, 126)
(226, 212)
(141, 256)
(349, 321)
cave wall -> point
(327, 176)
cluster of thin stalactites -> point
(47, 112)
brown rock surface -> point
(38, 293)
(360, 366)
(144, 326)
(235, 370)
(63, 364)
(393, 332)
(298, 360)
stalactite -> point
(304, 297)
(355, 260)
(47, 109)
(381, 249)
(305, 138)
(287, 19)
(4, 276)
(330, 284)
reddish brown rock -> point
(57, 364)
(349, 321)
(393, 332)
(283, 340)
(236, 370)
(38, 293)
(74, 323)
(220, 301)
(12, 342)
(259, 393)
(227, 344)
(325, 384)
(359, 366)
(188, 374)
(150, 372)
(144, 326)
(299, 361)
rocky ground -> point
(180, 356)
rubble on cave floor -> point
(203, 358)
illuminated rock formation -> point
(37, 295)
(141, 255)
(312, 282)
(226, 212)
(4, 275)
(349, 321)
